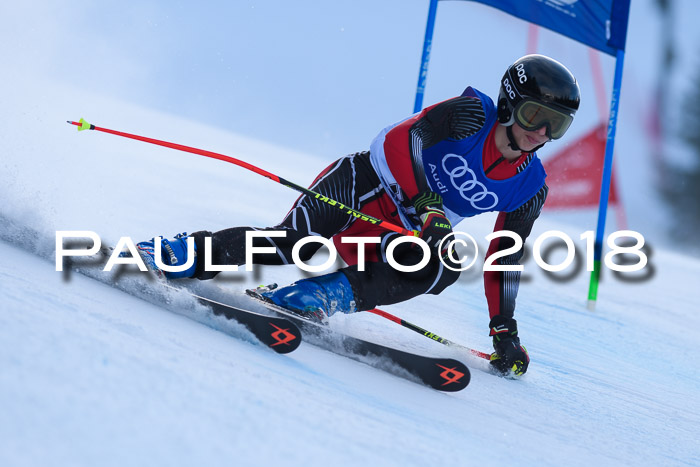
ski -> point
(443, 374)
(280, 334)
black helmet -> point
(538, 91)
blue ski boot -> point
(173, 253)
(314, 299)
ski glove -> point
(510, 358)
(434, 224)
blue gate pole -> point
(427, 44)
(605, 183)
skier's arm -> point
(502, 286)
(455, 118)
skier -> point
(453, 160)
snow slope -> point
(93, 376)
(90, 375)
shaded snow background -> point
(90, 375)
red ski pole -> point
(428, 334)
(83, 125)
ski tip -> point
(284, 338)
(452, 376)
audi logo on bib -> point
(464, 180)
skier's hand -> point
(510, 358)
(434, 224)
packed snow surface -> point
(92, 375)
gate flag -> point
(598, 24)
(574, 173)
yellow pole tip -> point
(83, 125)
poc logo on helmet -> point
(522, 77)
(508, 88)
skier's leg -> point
(315, 298)
(308, 216)
(381, 284)
(321, 296)
(349, 289)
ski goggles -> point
(532, 115)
